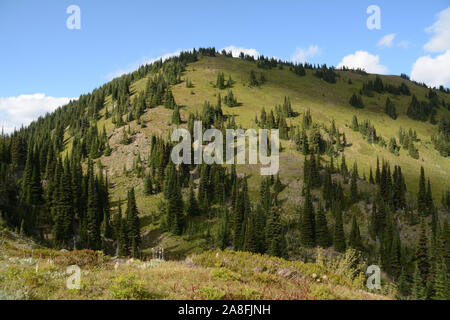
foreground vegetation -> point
(28, 271)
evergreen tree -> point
(422, 256)
(133, 225)
(354, 185)
(322, 232)
(192, 209)
(176, 118)
(93, 227)
(390, 109)
(148, 185)
(355, 240)
(274, 234)
(403, 285)
(422, 195)
(440, 282)
(339, 236)
(251, 238)
(418, 288)
(117, 225)
(307, 224)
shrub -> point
(126, 287)
(211, 293)
(225, 274)
(322, 292)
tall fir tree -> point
(307, 223)
(422, 194)
(339, 235)
(133, 225)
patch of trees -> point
(420, 110)
(277, 120)
(357, 70)
(311, 138)
(326, 73)
(441, 141)
(221, 83)
(390, 109)
(367, 130)
(256, 81)
(298, 69)
(356, 101)
(377, 85)
(230, 99)
(394, 147)
(266, 63)
(407, 140)
(208, 52)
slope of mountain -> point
(342, 132)
(326, 101)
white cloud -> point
(236, 51)
(435, 71)
(387, 40)
(23, 109)
(143, 61)
(302, 55)
(441, 29)
(363, 60)
(432, 71)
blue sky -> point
(39, 54)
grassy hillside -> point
(28, 271)
(326, 101)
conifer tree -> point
(403, 285)
(93, 227)
(274, 233)
(322, 232)
(344, 169)
(251, 239)
(418, 288)
(355, 240)
(223, 233)
(354, 185)
(307, 224)
(339, 236)
(422, 194)
(422, 255)
(133, 225)
(192, 209)
(175, 205)
(377, 172)
(371, 180)
(117, 224)
(176, 118)
(440, 282)
(148, 185)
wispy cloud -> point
(387, 40)
(23, 109)
(302, 55)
